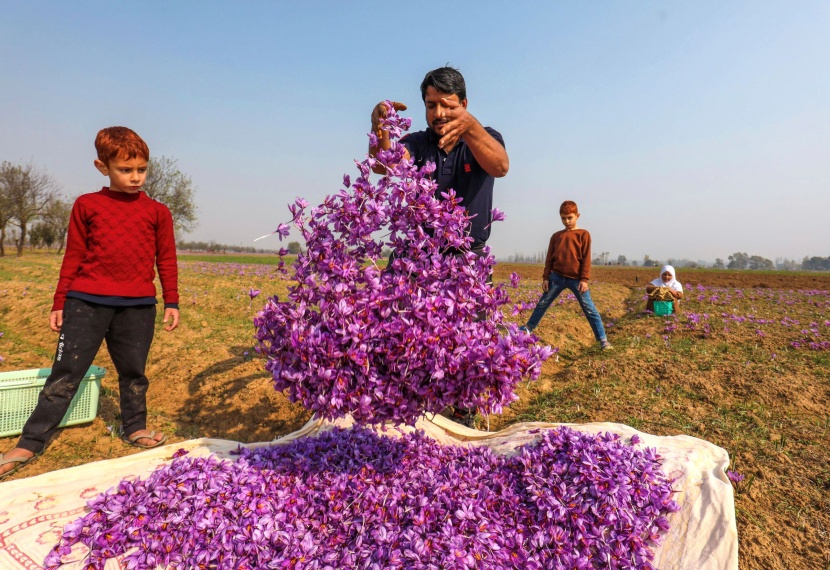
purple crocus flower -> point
(390, 343)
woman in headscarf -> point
(665, 288)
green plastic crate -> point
(19, 391)
(662, 308)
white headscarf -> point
(674, 284)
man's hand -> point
(56, 320)
(173, 316)
(379, 112)
(458, 122)
(545, 285)
(583, 286)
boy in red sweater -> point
(568, 266)
(117, 238)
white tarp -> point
(703, 533)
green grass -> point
(245, 259)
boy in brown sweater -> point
(568, 266)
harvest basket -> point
(19, 391)
(662, 308)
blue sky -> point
(684, 130)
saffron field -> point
(746, 365)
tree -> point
(621, 260)
(787, 264)
(738, 261)
(28, 191)
(5, 217)
(602, 259)
(42, 234)
(718, 264)
(648, 262)
(816, 263)
(294, 248)
(758, 262)
(56, 217)
(167, 184)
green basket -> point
(19, 391)
(662, 308)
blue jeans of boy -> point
(557, 284)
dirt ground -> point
(207, 382)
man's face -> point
(436, 111)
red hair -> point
(568, 207)
(120, 142)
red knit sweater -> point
(114, 242)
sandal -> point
(133, 440)
(21, 461)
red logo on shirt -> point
(467, 168)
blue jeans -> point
(557, 284)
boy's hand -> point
(56, 320)
(583, 286)
(173, 316)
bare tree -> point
(167, 184)
(56, 217)
(5, 217)
(28, 191)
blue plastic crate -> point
(20, 389)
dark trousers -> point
(128, 332)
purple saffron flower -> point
(734, 476)
(389, 344)
(347, 496)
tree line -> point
(737, 260)
(34, 209)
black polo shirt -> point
(460, 171)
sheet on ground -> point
(703, 533)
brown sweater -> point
(569, 255)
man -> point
(468, 157)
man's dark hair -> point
(446, 80)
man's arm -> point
(488, 152)
(378, 113)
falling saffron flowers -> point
(388, 342)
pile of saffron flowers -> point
(352, 498)
(386, 343)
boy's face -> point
(127, 175)
(569, 220)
